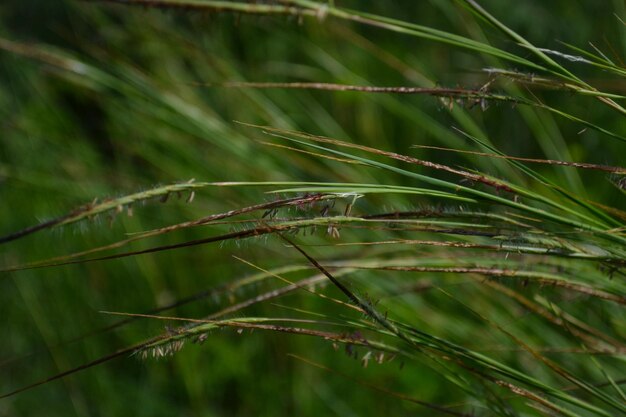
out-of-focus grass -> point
(118, 104)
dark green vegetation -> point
(379, 275)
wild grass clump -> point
(463, 274)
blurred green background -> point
(137, 115)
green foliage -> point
(414, 207)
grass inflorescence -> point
(484, 257)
